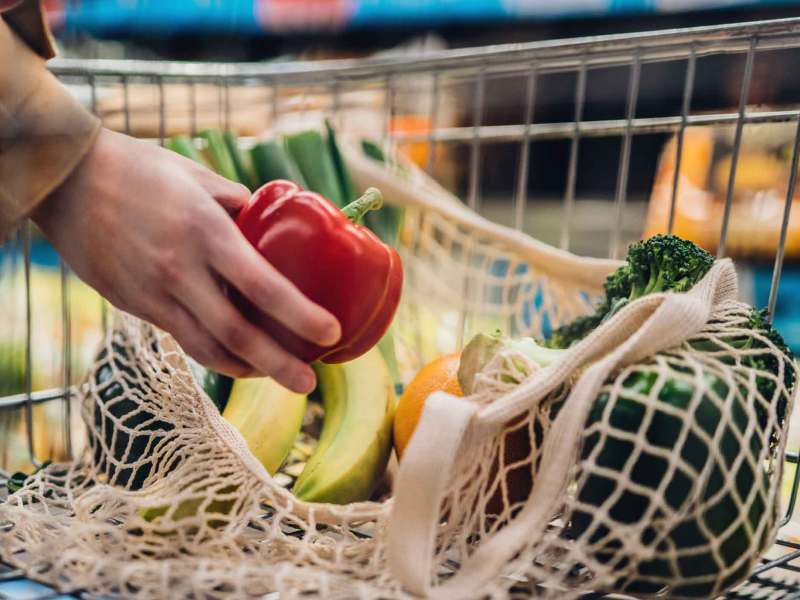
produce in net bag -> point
(653, 433)
(638, 449)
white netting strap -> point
(420, 487)
(426, 193)
(644, 327)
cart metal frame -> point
(476, 69)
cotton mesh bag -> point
(545, 481)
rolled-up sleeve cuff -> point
(44, 131)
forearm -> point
(44, 132)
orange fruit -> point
(442, 375)
(439, 375)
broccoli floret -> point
(666, 263)
(618, 284)
(575, 330)
(661, 263)
(768, 362)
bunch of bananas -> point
(355, 442)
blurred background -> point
(301, 30)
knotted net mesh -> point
(660, 469)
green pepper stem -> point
(371, 200)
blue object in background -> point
(787, 310)
(24, 589)
(170, 17)
(43, 254)
(159, 17)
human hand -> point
(150, 231)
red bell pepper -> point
(333, 260)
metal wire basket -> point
(441, 109)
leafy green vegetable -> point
(373, 150)
(661, 263)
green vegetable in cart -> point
(184, 146)
(271, 161)
(216, 385)
(112, 445)
(662, 263)
(244, 171)
(387, 223)
(218, 155)
(311, 153)
(346, 184)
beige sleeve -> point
(44, 132)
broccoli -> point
(661, 263)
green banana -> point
(356, 439)
(268, 416)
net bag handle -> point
(448, 424)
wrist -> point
(75, 187)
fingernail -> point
(333, 333)
(305, 382)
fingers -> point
(229, 195)
(198, 343)
(232, 196)
(243, 267)
(247, 343)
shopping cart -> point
(452, 94)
